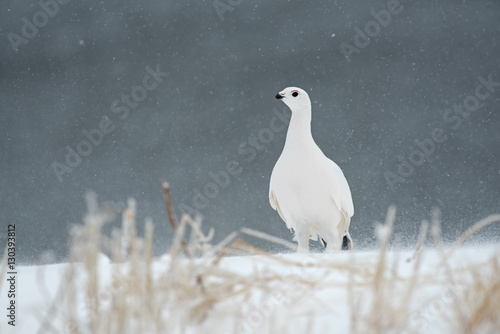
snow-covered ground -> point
(345, 292)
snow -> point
(282, 293)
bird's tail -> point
(347, 242)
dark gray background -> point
(222, 79)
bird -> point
(308, 190)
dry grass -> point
(191, 290)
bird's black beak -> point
(279, 97)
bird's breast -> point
(301, 188)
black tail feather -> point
(346, 243)
(324, 242)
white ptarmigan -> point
(308, 190)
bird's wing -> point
(345, 220)
(275, 205)
(341, 194)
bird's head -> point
(295, 98)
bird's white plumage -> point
(308, 190)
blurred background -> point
(112, 96)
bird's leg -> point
(303, 241)
(333, 247)
(333, 242)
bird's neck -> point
(299, 130)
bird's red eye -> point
(295, 93)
